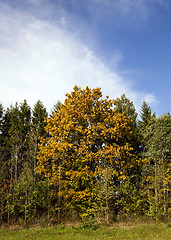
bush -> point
(89, 225)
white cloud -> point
(40, 60)
(150, 98)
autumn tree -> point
(86, 136)
(95, 158)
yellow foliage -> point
(84, 135)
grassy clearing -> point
(147, 232)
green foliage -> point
(123, 104)
(157, 170)
(39, 116)
(90, 225)
(18, 161)
(146, 116)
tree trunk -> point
(156, 193)
(26, 202)
(59, 196)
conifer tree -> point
(157, 169)
(39, 116)
(146, 117)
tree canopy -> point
(85, 136)
(91, 158)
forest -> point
(91, 157)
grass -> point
(147, 232)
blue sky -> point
(122, 46)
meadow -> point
(158, 231)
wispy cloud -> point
(126, 11)
(41, 59)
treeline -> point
(90, 158)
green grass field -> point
(148, 232)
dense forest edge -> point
(92, 159)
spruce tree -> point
(146, 117)
(39, 116)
